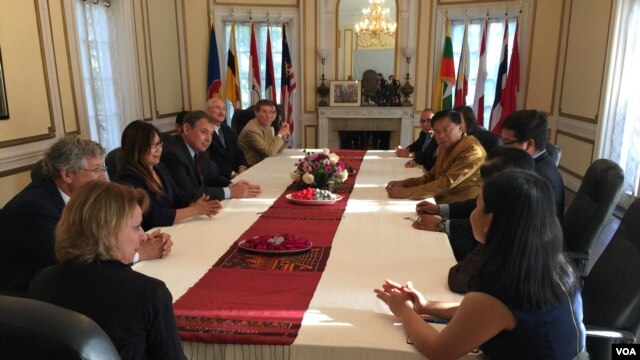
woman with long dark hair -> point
(526, 302)
(141, 149)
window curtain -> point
(106, 41)
(622, 140)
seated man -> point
(28, 221)
(190, 166)
(456, 173)
(257, 139)
(224, 149)
(458, 227)
(527, 130)
(488, 139)
(423, 150)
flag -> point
(478, 97)
(269, 78)
(233, 81)
(213, 69)
(442, 94)
(287, 83)
(254, 69)
(513, 84)
(462, 80)
(501, 80)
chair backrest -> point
(611, 295)
(36, 171)
(591, 207)
(554, 152)
(114, 161)
(240, 118)
(31, 329)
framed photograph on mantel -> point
(345, 93)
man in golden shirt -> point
(257, 140)
(456, 173)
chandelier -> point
(375, 28)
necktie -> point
(198, 169)
(426, 143)
(221, 138)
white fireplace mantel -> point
(326, 114)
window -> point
(495, 34)
(620, 135)
(243, 39)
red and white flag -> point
(478, 97)
(269, 78)
(254, 70)
(501, 81)
(462, 80)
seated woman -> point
(456, 173)
(141, 149)
(96, 240)
(488, 139)
(526, 302)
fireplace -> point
(364, 140)
(364, 127)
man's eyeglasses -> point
(100, 169)
(157, 145)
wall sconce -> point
(407, 89)
(323, 89)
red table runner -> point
(249, 298)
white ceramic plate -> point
(313, 202)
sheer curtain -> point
(106, 41)
(621, 141)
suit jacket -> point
(461, 276)
(455, 175)
(258, 142)
(178, 159)
(547, 169)
(460, 232)
(488, 139)
(27, 233)
(162, 209)
(461, 209)
(229, 158)
(133, 309)
(426, 158)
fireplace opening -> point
(364, 140)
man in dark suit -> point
(224, 149)
(527, 130)
(28, 221)
(192, 169)
(423, 150)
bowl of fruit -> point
(313, 196)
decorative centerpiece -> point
(319, 170)
(284, 243)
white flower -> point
(344, 175)
(326, 151)
(334, 158)
(295, 176)
(308, 178)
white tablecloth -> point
(373, 242)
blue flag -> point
(214, 82)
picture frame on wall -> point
(345, 93)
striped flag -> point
(478, 97)
(233, 81)
(288, 85)
(269, 78)
(501, 81)
(254, 70)
(462, 80)
(214, 81)
(513, 84)
(442, 94)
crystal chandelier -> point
(375, 28)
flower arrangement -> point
(321, 170)
(284, 242)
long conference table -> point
(373, 242)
